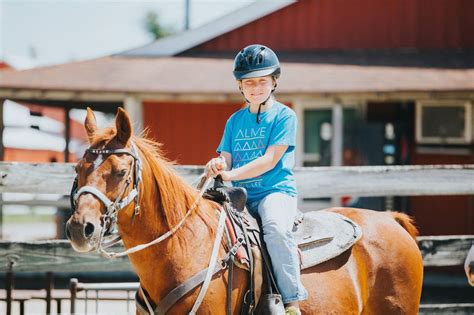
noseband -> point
(109, 218)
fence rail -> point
(58, 256)
(313, 182)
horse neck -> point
(176, 258)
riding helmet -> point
(256, 61)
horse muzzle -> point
(84, 237)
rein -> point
(167, 234)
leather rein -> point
(109, 227)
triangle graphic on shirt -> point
(246, 157)
(260, 144)
(246, 146)
(254, 145)
(237, 147)
(237, 158)
(240, 135)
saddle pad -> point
(324, 235)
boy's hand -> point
(215, 166)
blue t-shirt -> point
(246, 140)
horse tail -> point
(406, 222)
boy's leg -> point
(277, 212)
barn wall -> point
(35, 156)
(363, 24)
(189, 132)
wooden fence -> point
(57, 256)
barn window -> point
(443, 122)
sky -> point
(45, 32)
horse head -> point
(107, 175)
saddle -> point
(320, 235)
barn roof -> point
(208, 75)
(175, 44)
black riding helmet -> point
(256, 61)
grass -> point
(35, 218)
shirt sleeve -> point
(284, 132)
(226, 141)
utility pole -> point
(186, 14)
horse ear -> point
(124, 126)
(90, 124)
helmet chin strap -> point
(261, 104)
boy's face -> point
(257, 90)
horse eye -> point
(122, 173)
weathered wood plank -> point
(47, 178)
(385, 180)
(445, 250)
(58, 256)
(313, 182)
(458, 309)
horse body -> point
(380, 274)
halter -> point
(112, 207)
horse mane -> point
(175, 195)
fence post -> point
(9, 288)
(73, 288)
(11, 261)
(49, 288)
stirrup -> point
(292, 310)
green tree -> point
(153, 27)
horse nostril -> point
(88, 229)
(68, 234)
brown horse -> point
(380, 274)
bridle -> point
(109, 234)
